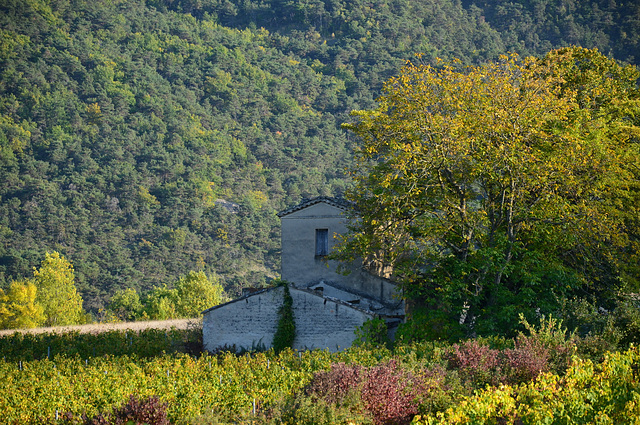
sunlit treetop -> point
(474, 181)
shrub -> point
(588, 394)
(546, 348)
(603, 329)
(551, 340)
(437, 389)
(526, 361)
(372, 333)
(476, 363)
(334, 385)
(386, 394)
(148, 411)
(304, 410)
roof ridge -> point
(338, 202)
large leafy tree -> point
(501, 188)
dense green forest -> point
(147, 139)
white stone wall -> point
(323, 323)
(245, 323)
(320, 322)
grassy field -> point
(95, 328)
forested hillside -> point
(147, 139)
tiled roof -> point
(336, 202)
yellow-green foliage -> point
(18, 308)
(192, 294)
(606, 393)
(226, 386)
(125, 304)
(50, 298)
(197, 292)
(57, 294)
(143, 344)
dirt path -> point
(104, 327)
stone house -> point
(328, 306)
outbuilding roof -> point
(336, 202)
(293, 288)
(215, 307)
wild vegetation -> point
(50, 298)
(143, 140)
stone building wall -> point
(324, 319)
(300, 264)
(324, 323)
(245, 322)
(251, 321)
(302, 267)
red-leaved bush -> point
(476, 362)
(333, 385)
(148, 411)
(388, 392)
(526, 361)
(546, 348)
(391, 394)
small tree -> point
(191, 295)
(56, 291)
(196, 292)
(18, 308)
(160, 303)
(125, 304)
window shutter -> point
(322, 242)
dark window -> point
(322, 242)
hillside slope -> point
(125, 124)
